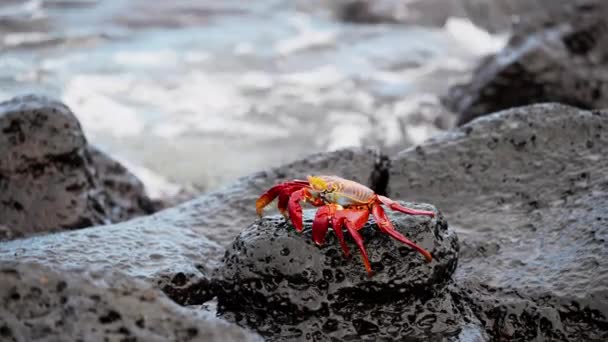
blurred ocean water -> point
(202, 92)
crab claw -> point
(295, 209)
(386, 226)
(398, 207)
(283, 191)
(266, 198)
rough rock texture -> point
(126, 195)
(50, 179)
(174, 259)
(175, 248)
(280, 283)
(547, 60)
(527, 191)
(39, 304)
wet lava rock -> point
(527, 191)
(281, 284)
(51, 178)
(556, 59)
(175, 250)
(41, 304)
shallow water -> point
(202, 92)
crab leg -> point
(359, 241)
(358, 217)
(337, 225)
(354, 220)
(386, 226)
(283, 202)
(320, 225)
(326, 215)
(295, 209)
(398, 207)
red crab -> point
(343, 203)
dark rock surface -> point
(39, 304)
(527, 191)
(50, 179)
(175, 248)
(126, 195)
(515, 315)
(548, 59)
(280, 283)
(172, 258)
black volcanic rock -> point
(175, 249)
(556, 59)
(277, 281)
(171, 258)
(527, 191)
(39, 304)
(125, 194)
(51, 179)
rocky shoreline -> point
(519, 240)
(560, 58)
(524, 190)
